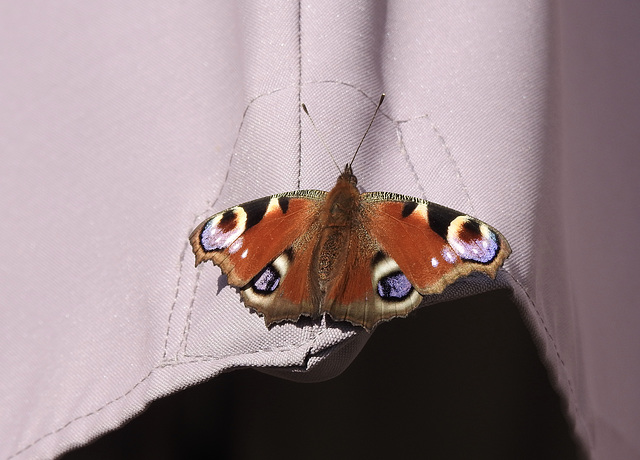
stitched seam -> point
(73, 420)
(399, 132)
(187, 324)
(316, 333)
(573, 397)
(211, 205)
(140, 382)
(449, 154)
(176, 292)
(405, 154)
(299, 93)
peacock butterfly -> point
(361, 258)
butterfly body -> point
(361, 258)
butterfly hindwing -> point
(292, 296)
(371, 288)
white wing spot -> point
(449, 255)
(434, 262)
(236, 245)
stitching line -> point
(573, 397)
(299, 93)
(187, 325)
(140, 382)
(407, 159)
(398, 123)
(176, 292)
(315, 333)
(28, 446)
(448, 153)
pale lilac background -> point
(122, 125)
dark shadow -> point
(458, 380)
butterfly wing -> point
(433, 245)
(261, 243)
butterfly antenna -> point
(304, 107)
(368, 128)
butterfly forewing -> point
(244, 239)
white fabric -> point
(123, 124)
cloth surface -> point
(124, 124)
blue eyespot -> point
(394, 286)
(266, 281)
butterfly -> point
(362, 258)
